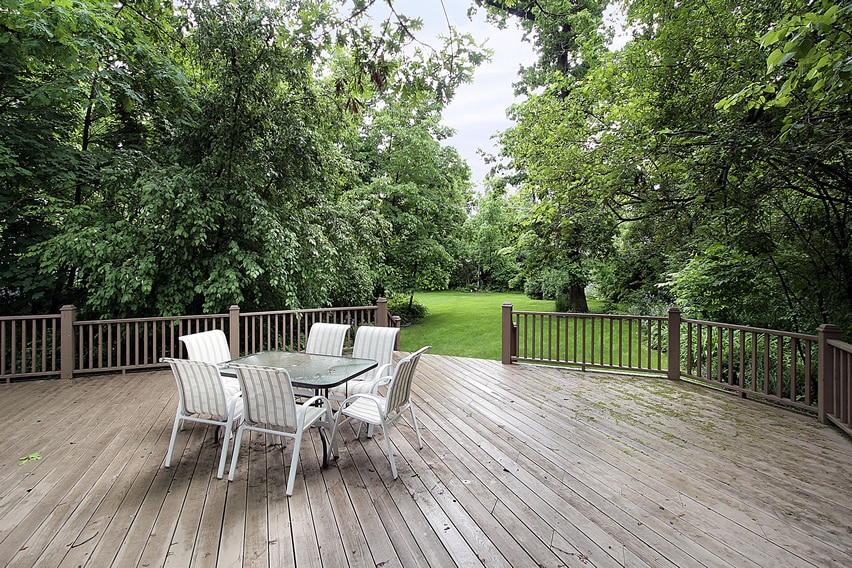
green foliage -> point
(486, 261)
(420, 190)
(721, 284)
(80, 81)
(162, 159)
(714, 146)
(809, 63)
(556, 284)
(28, 458)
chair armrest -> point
(315, 399)
(379, 383)
(375, 399)
(385, 370)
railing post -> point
(507, 334)
(673, 369)
(825, 397)
(382, 312)
(67, 315)
(234, 331)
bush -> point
(410, 311)
(532, 287)
(563, 303)
(549, 284)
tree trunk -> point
(577, 299)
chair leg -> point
(416, 427)
(333, 441)
(390, 449)
(226, 440)
(294, 462)
(175, 428)
(235, 457)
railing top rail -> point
(842, 345)
(39, 317)
(149, 319)
(308, 311)
(752, 329)
(194, 317)
(589, 315)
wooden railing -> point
(835, 379)
(778, 366)
(59, 345)
(807, 372)
(29, 346)
(589, 341)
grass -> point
(466, 324)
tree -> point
(205, 159)
(420, 189)
(487, 263)
(80, 82)
(696, 138)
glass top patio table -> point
(307, 370)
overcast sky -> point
(478, 111)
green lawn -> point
(465, 324)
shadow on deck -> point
(522, 466)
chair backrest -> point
(375, 343)
(208, 346)
(399, 390)
(267, 396)
(200, 387)
(326, 338)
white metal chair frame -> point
(382, 411)
(271, 408)
(202, 397)
(375, 343)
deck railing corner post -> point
(507, 334)
(826, 375)
(234, 330)
(382, 319)
(67, 316)
(673, 346)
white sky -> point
(478, 111)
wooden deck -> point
(522, 466)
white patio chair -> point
(208, 346)
(375, 343)
(326, 338)
(271, 408)
(212, 347)
(379, 410)
(202, 398)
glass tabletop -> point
(309, 370)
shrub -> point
(409, 310)
(532, 287)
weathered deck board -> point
(521, 466)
